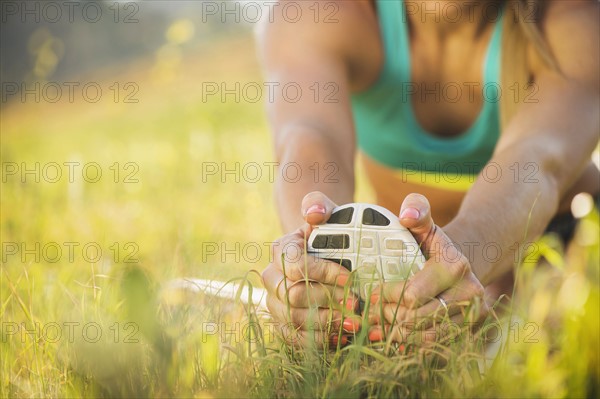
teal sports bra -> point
(386, 126)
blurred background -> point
(114, 159)
(117, 88)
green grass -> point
(157, 342)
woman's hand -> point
(306, 295)
(445, 290)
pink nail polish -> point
(343, 340)
(350, 304)
(316, 208)
(350, 325)
(375, 335)
(342, 280)
(410, 213)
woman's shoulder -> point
(563, 11)
(571, 31)
(346, 31)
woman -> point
(487, 109)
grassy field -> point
(85, 258)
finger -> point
(289, 255)
(466, 293)
(322, 319)
(396, 314)
(469, 312)
(415, 215)
(440, 333)
(316, 207)
(471, 292)
(421, 288)
(305, 293)
(423, 316)
(317, 339)
(433, 313)
(310, 293)
(273, 278)
(456, 298)
(445, 263)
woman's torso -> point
(439, 64)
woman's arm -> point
(315, 133)
(556, 136)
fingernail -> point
(376, 335)
(410, 213)
(374, 298)
(350, 325)
(342, 279)
(350, 304)
(316, 208)
(335, 339)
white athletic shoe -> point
(370, 240)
